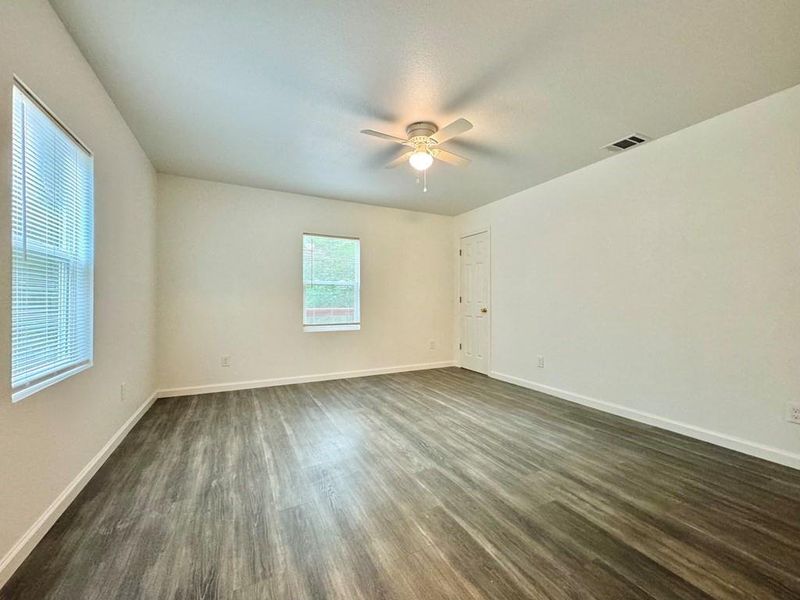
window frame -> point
(323, 327)
(56, 374)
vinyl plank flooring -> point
(440, 484)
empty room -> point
(424, 300)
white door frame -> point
(488, 231)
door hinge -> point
(459, 252)
(459, 299)
(459, 346)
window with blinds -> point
(331, 283)
(52, 205)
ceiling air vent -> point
(628, 142)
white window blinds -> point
(52, 205)
(331, 281)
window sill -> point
(31, 390)
(321, 328)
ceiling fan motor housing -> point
(421, 132)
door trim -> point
(469, 233)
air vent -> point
(628, 142)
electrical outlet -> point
(793, 412)
(225, 361)
(123, 389)
(432, 345)
(540, 361)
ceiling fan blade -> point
(455, 128)
(384, 136)
(403, 158)
(450, 158)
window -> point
(331, 283)
(52, 250)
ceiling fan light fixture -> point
(423, 147)
(420, 159)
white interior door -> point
(474, 302)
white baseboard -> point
(19, 551)
(259, 383)
(776, 455)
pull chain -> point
(425, 180)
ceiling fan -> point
(424, 139)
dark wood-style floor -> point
(431, 485)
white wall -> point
(47, 439)
(230, 283)
(665, 280)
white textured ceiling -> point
(273, 94)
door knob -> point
(484, 310)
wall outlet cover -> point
(793, 412)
